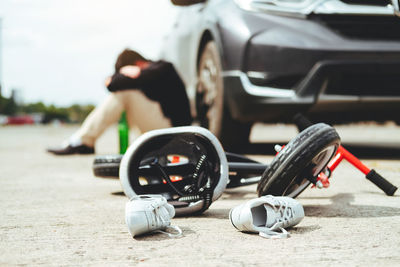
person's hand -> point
(108, 81)
(130, 71)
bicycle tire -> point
(107, 166)
(287, 174)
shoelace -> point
(172, 235)
(159, 218)
(274, 234)
(286, 214)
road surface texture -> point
(55, 212)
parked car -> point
(246, 61)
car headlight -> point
(283, 7)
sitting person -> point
(152, 94)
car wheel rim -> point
(210, 100)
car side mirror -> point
(186, 2)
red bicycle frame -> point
(323, 178)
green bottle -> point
(123, 130)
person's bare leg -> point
(102, 117)
(142, 112)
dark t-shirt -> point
(159, 82)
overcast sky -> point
(60, 51)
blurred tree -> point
(75, 113)
(38, 107)
(8, 106)
(78, 113)
(54, 113)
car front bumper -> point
(316, 97)
(332, 77)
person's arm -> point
(153, 72)
(121, 82)
(131, 71)
(126, 78)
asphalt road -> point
(55, 212)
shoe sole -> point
(230, 218)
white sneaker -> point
(147, 213)
(267, 215)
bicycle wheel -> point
(107, 166)
(300, 162)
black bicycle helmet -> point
(187, 165)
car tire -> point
(107, 166)
(212, 111)
(305, 155)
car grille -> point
(378, 84)
(362, 27)
(368, 2)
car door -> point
(181, 44)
